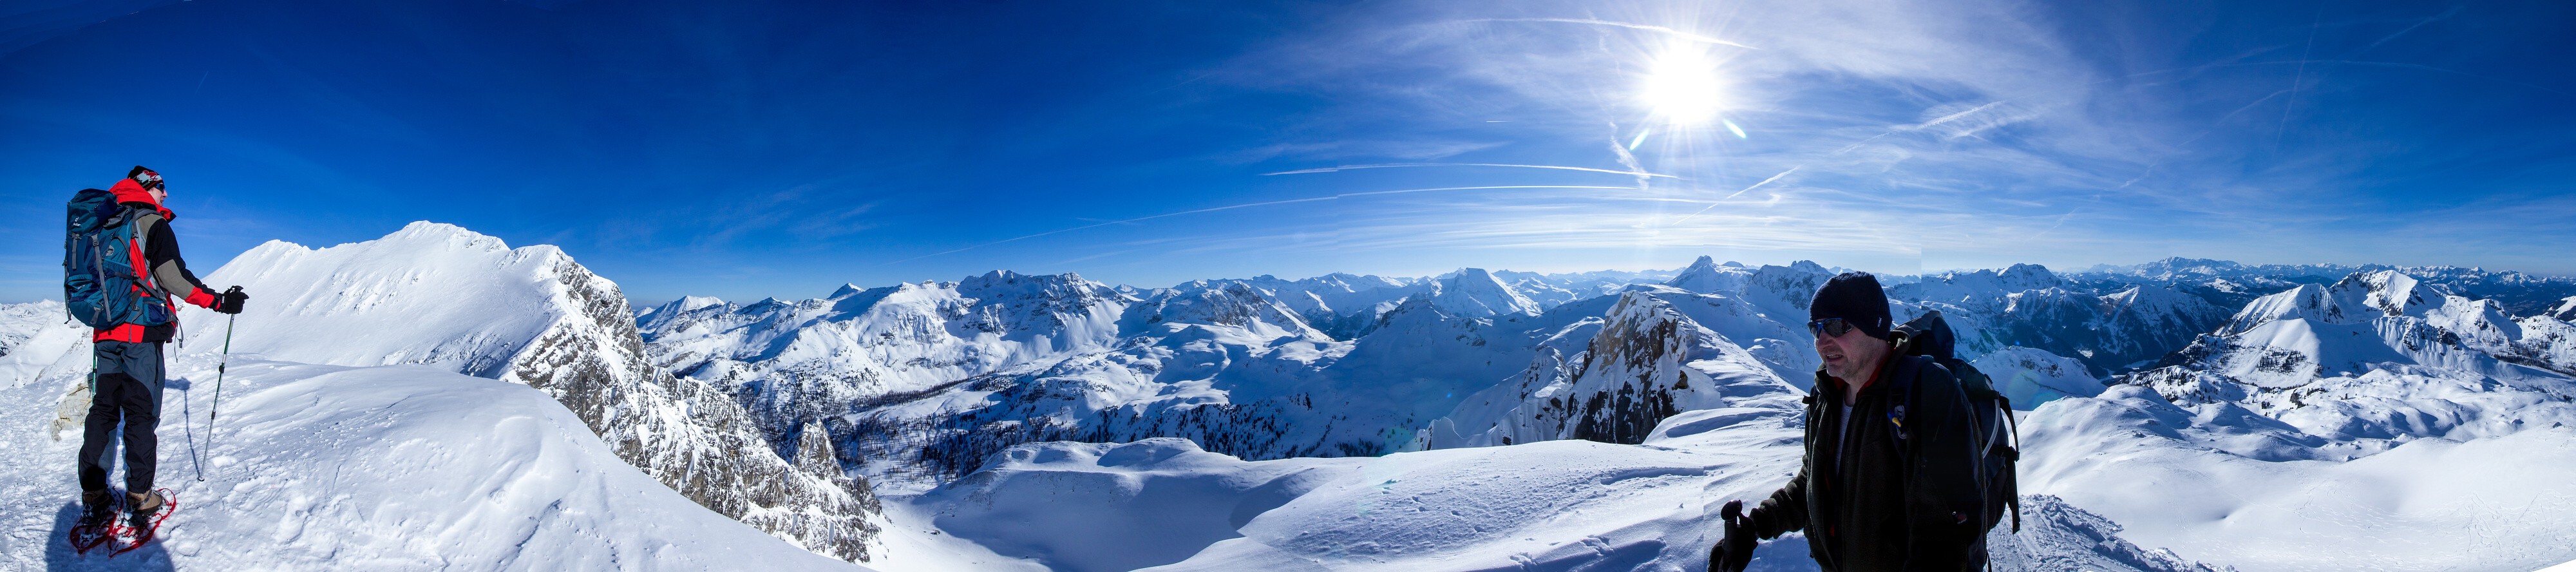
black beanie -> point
(1856, 298)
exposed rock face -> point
(687, 434)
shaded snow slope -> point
(2029, 377)
(443, 297)
(375, 468)
(1164, 504)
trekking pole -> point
(219, 381)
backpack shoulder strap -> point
(1900, 386)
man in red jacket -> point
(126, 369)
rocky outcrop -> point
(686, 433)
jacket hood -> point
(128, 191)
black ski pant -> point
(125, 385)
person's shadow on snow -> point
(60, 557)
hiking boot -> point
(94, 505)
(145, 503)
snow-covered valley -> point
(435, 399)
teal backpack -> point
(101, 285)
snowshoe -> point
(97, 522)
(143, 522)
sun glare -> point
(1682, 86)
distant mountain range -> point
(794, 415)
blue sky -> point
(746, 149)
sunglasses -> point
(149, 179)
(1829, 327)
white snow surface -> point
(1165, 505)
(2201, 483)
(468, 302)
(2029, 377)
(368, 468)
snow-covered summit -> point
(1979, 288)
(2388, 292)
(1475, 293)
(1230, 303)
(1706, 276)
(684, 304)
(2306, 302)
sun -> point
(1683, 86)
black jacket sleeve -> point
(1783, 513)
(1942, 512)
(169, 271)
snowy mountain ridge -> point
(540, 319)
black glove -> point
(1736, 550)
(230, 302)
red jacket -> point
(156, 256)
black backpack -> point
(1998, 493)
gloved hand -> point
(1736, 550)
(230, 302)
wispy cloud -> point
(1629, 25)
(1631, 172)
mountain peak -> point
(1705, 276)
(2028, 277)
(2390, 292)
(1473, 292)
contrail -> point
(1659, 29)
(1713, 204)
(1249, 205)
(2297, 78)
(1954, 116)
(1765, 181)
(1636, 173)
(2454, 11)
(1627, 159)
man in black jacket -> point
(1888, 479)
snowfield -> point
(317, 467)
(2168, 476)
